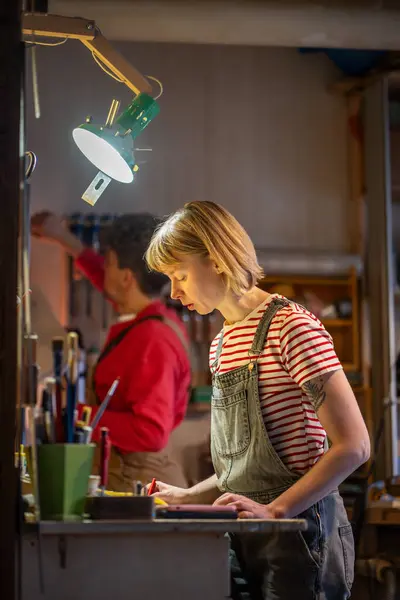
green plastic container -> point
(201, 394)
(63, 473)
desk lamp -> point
(110, 147)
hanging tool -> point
(114, 309)
(92, 240)
(77, 228)
(105, 450)
(81, 385)
(103, 407)
(72, 380)
(105, 221)
(48, 408)
(57, 350)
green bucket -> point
(63, 474)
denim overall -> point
(317, 564)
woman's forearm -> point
(325, 476)
(205, 492)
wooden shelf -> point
(337, 322)
(307, 280)
(329, 290)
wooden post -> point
(355, 149)
(11, 68)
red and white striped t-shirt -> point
(297, 349)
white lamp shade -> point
(103, 155)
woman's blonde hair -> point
(206, 229)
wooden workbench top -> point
(168, 525)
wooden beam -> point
(11, 69)
(38, 25)
(355, 150)
(303, 24)
(380, 268)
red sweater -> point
(154, 371)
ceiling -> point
(358, 24)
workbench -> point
(127, 560)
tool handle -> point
(73, 347)
(50, 389)
(79, 436)
(86, 414)
(47, 417)
(105, 450)
(76, 225)
(57, 350)
(104, 404)
(87, 434)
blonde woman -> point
(279, 392)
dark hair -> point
(129, 236)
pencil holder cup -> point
(63, 476)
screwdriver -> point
(102, 408)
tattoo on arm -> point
(315, 391)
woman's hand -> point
(247, 509)
(170, 493)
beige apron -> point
(125, 468)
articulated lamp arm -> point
(36, 25)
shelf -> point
(301, 262)
(337, 322)
(297, 280)
(345, 332)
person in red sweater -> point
(151, 356)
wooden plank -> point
(57, 27)
(299, 280)
(356, 174)
(383, 515)
(11, 65)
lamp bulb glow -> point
(103, 155)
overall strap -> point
(179, 333)
(119, 337)
(262, 330)
(219, 347)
